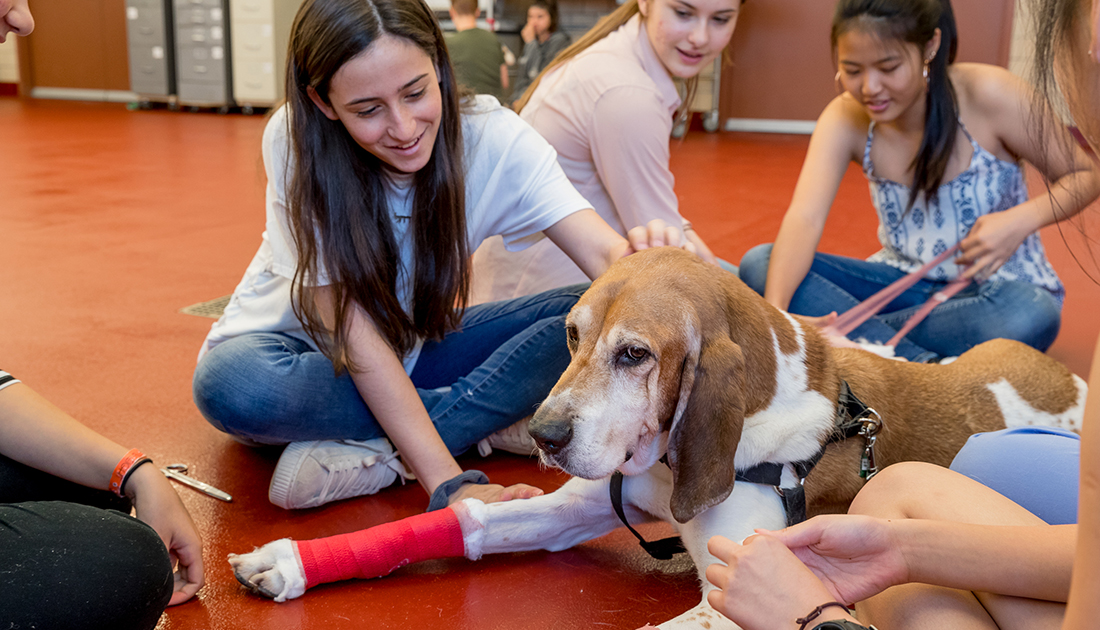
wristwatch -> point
(842, 624)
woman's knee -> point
(84, 567)
(754, 267)
(893, 492)
(234, 387)
(1028, 314)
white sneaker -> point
(314, 473)
(514, 439)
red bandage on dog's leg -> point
(377, 551)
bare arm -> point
(853, 558)
(1084, 607)
(504, 76)
(1008, 103)
(35, 432)
(591, 243)
(831, 149)
(396, 405)
(1021, 561)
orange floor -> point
(111, 221)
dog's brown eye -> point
(571, 336)
(633, 355)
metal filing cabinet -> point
(152, 50)
(203, 71)
(261, 31)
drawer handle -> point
(254, 84)
(200, 69)
(145, 30)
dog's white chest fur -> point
(791, 428)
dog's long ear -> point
(707, 428)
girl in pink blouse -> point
(607, 104)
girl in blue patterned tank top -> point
(941, 145)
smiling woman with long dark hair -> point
(349, 326)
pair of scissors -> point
(178, 472)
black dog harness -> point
(852, 418)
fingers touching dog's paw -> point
(272, 570)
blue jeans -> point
(996, 308)
(271, 388)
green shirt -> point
(477, 57)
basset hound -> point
(682, 378)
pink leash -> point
(866, 309)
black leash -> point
(662, 549)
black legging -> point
(67, 564)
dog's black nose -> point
(552, 436)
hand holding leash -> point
(991, 242)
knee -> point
(139, 571)
(893, 492)
(1033, 317)
(217, 398)
(1042, 330)
(147, 566)
(754, 267)
(230, 386)
(103, 569)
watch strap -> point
(841, 624)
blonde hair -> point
(607, 24)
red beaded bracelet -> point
(122, 470)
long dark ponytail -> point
(916, 21)
(337, 201)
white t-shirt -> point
(514, 188)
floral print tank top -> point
(910, 239)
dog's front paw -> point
(699, 618)
(273, 570)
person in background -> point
(607, 104)
(71, 556)
(941, 145)
(476, 53)
(923, 546)
(542, 41)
